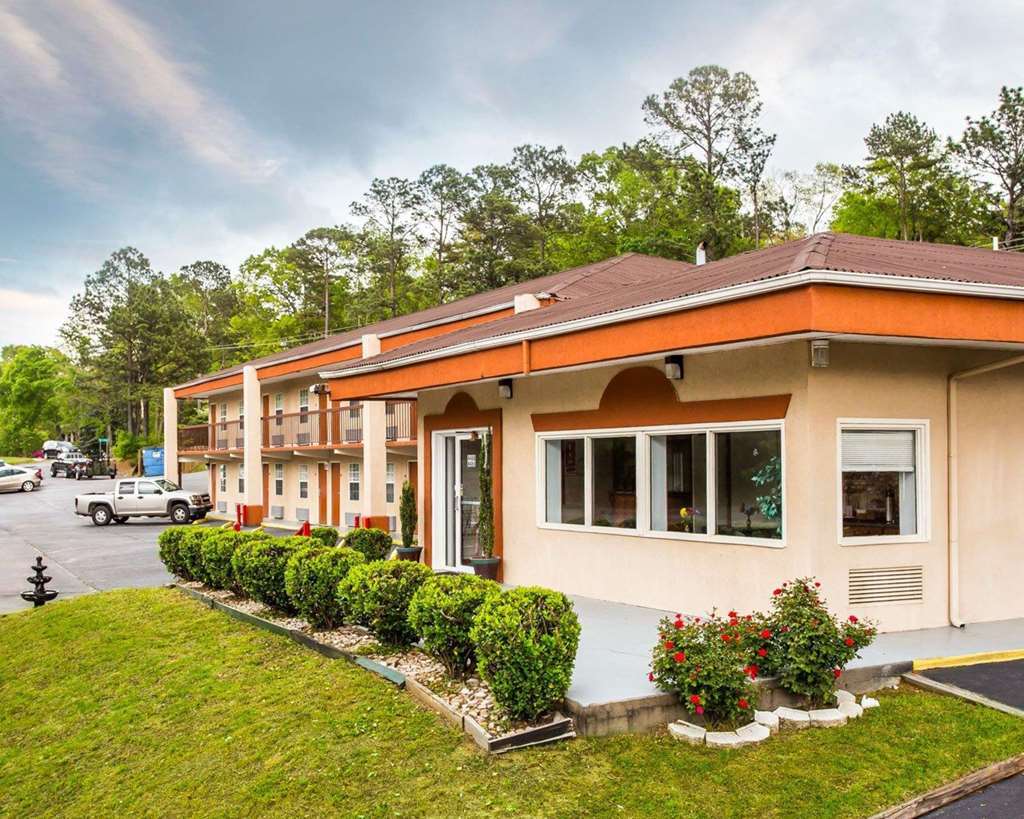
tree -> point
(33, 384)
(324, 253)
(545, 179)
(704, 112)
(994, 145)
(902, 151)
(816, 194)
(444, 195)
(207, 295)
(390, 209)
(753, 147)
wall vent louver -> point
(888, 584)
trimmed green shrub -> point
(442, 611)
(190, 548)
(259, 568)
(375, 544)
(311, 580)
(377, 596)
(407, 514)
(169, 542)
(217, 552)
(526, 642)
(325, 535)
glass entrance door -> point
(459, 501)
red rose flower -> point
(777, 592)
(650, 677)
(853, 618)
(836, 672)
(817, 585)
(679, 656)
(762, 652)
(743, 703)
(848, 641)
(678, 624)
(733, 614)
(766, 634)
(669, 645)
(695, 699)
(699, 709)
(726, 637)
(733, 621)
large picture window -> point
(880, 477)
(721, 482)
(748, 484)
(565, 481)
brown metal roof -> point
(582, 282)
(823, 251)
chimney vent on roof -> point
(525, 302)
(702, 255)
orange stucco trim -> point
(462, 413)
(208, 386)
(642, 396)
(810, 308)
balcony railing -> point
(228, 435)
(336, 427)
(195, 438)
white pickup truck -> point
(142, 497)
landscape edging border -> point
(561, 727)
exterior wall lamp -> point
(505, 388)
(674, 367)
(819, 352)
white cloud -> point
(30, 318)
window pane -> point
(879, 482)
(614, 482)
(679, 483)
(748, 484)
(564, 481)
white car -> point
(19, 479)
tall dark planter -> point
(485, 566)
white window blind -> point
(878, 450)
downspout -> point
(952, 489)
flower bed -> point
(526, 638)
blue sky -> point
(209, 130)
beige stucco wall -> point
(863, 381)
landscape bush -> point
(442, 612)
(217, 551)
(374, 544)
(377, 595)
(707, 663)
(259, 568)
(190, 549)
(526, 641)
(810, 646)
(311, 581)
(169, 543)
(325, 535)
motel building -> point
(670, 435)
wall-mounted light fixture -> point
(505, 388)
(319, 389)
(674, 367)
(819, 352)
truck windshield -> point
(167, 486)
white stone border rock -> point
(768, 723)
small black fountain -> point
(40, 595)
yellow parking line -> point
(969, 659)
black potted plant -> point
(407, 516)
(486, 565)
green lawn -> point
(147, 703)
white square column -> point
(372, 497)
(253, 438)
(171, 437)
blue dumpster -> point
(153, 461)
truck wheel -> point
(101, 515)
(179, 513)
(28, 486)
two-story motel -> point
(672, 435)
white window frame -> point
(222, 478)
(643, 481)
(389, 480)
(223, 407)
(922, 472)
(303, 481)
(241, 478)
(354, 477)
(278, 478)
(304, 399)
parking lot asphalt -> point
(1002, 681)
(80, 557)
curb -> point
(968, 659)
(962, 693)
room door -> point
(456, 499)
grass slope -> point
(146, 703)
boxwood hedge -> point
(442, 612)
(377, 595)
(375, 544)
(311, 580)
(259, 568)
